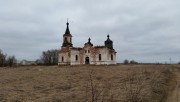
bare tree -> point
(54, 56)
(11, 61)
(126, 61)
(7, 61)
(2, 59)
(50, 57)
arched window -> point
(62, 59)
(99, 57)
(70, 40)
(65, 39)
(111, 57)
(76, 57)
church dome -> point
(89, 42)
(108, 42)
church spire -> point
(89, 40)
(67, 32)
(108, 36)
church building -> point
(89, 54)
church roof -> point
(67, 32)
(99, 46)
(76, 48)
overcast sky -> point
(143, 30)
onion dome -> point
(108, 43)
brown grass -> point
(119, 83)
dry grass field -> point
(118, 83)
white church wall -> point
(105, 57)
(64, 58)
(112, 58)
(75, 58)
(101, 56)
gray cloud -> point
(143, 30)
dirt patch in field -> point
(174, 89)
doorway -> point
(87, 60)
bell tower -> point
(67, 37)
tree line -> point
(49, 57)
(130, 62)
(6, 60)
